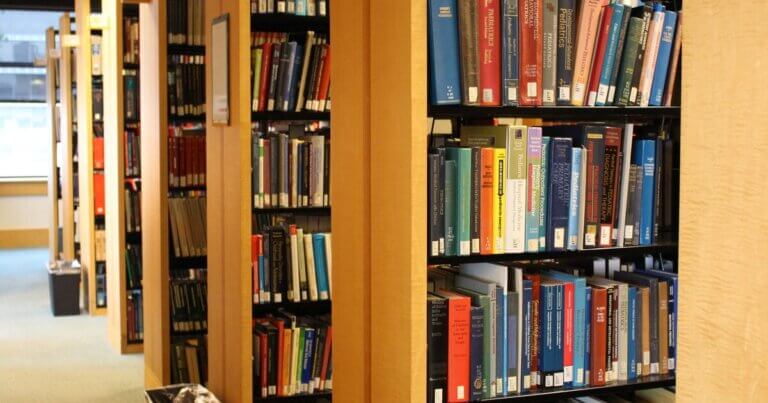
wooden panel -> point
(723, 217)
(33, 188)
(229, 215)
(53, 173)
(398, 200)
(67, 146)
(23, 238)
(351, 198)
(154, 181)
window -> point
(24, 132)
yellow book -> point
(500, 198)
(287, 355)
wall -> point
(24, 214)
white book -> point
(328, 262)
(626, 164)
(623, 329)
(530, 379)
(516, 182)
(302, 264)
(317, 180)
(295, 335)
(294, 293)
(649, 59)
(311, 271)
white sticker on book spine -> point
(512, 382)
(512, 94)
(472, 94)
(548, 381)
(442, 245)
(559, 237)
(633, 94)
(439, 395)
(646, 357)
(671, 363)
(564, 93)
(487, 94)
(568, 374)
(655, 368)
(460, 392)
(435, 248)
(531, 89)
(475, 245)
(580, 375)
(605, 236)
(558, 379)
(578, 91)
(464, 248)
(548, 95)
(640, 369)
(526, 382)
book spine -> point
(445, 87)
(510, 48)
(544, 197)
(622, 325)
(637, 204)
(468, 38)
(559, 193)
(624, 185)
(618, 56)
(651, 54)
(458, 349)
(486, 201)
(673, 64)
(500, 200)
(501, 341)
(567, 338)
(531, 47)
(573, 207)
(610, 54)
(514, 236)
(288, 67)
(631, 367)
(657, 191)
(566, 38)
(476, 354)
(434, 184)
(489, 43)
(587, 335)
(525, 348)
(662, 63)
(647, 151)
(475, 180)
(627, 69)
(450, 208)
(535, 329)
(549, 52)
(595, 146)
(647, 13)
(547, 334)
(580, 331)
(609, 185)
(463, 157)
(533, 189)
(589, 18)
(441, 200)
(663, 327)
(321, 266)
(606, 15)
(599, 317)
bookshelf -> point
(121, 184)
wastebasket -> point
(183, 392)
(64, 287)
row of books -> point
(287, 262)
(189, 303)
(132, 211)
(292, 354)
(132, 151)
(101, 283)
(135, 316)
(186, 86)
(98, 193)
(100, 244)
(131, 94)
(290, 72)
(496, 330)
(186, 22)
(189, 360)
(133, 271)
(310, 8)
(516, 189)
(131, 40)
(550, 52)
(186, 155)
(290, 171)
(188, 225)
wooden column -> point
(51, 59)
(65, 136)
(723, 215)
(153, 79)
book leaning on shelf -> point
(496, 330)
(514, 189)
(187, 225)
(550, 52)
(186, 86)
(186, 155)
(292, 354)
(309, 8)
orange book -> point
(98, 194)
(589, 19)
(280, 346)
(98, 153)
(486, 201)
(458, 345)
(598, 336)
(284, 375)
(326, 358)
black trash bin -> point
(64, 288)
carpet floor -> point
(55, 359)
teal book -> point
(632, 334)
(543, 177)
(482, 301)
(463, 158)
(573, 206)
(450, 208)
(614, 35)
(321, 265)
(533, 209)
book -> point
(645, 156)
(468, 51)
(627, 69)
(445, 87)
(623, 42)
(551, 340)
(510, 57)
(462, 157)
(476, 353)
(598, 333)
(487, 201)
(474, 199)
(646, 12)
(651, 54)
(663, 58)
(531, 47)
(587, 29)
(593, 140)
(566, 38)
(544, 198)
(549, 52)
(615, 36)
(516, 182)
(610, 183)
(559, 193)
(489, 48)
(604, 29)
(533, 189)
(458, 345)
(625, 184)
(574, 206)
(674, 63)
(437, 347)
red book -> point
(489, 48)
(597, 63)
(98, 194)
(201, 150)
(172, 173)
(98, 153)
(263, 382)
(266, 62)
(326, 358)
(611, 178)
(531, 24)
(568, 332)
(535, 298)
(598, 336)
(255, 253)
(325, 80)
(278, 323)
(181, 169)
(189, 160)
(486, 201)
(458, 345)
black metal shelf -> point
(178, 49)
(294, 210)
(188, 334)
(626, 251)
(289, 23)
(303, 307)
(598, 113)
(130, 66)
(187, 119)
(189, 262)
(280, 115)
(618, 387)
(306, 398)
(133, 237)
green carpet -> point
(55, 359)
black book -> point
(646, 12)
(612, 97)
(566, 42)
(277, 262)
(476, 353)
(274, 74)
(433, 196)
(629, 222)
(437, 347)
(474, 202)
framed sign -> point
(220, 69)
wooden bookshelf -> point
(54, 179)
(66, 136)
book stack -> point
(187, 223)
(518, 189)
(291, 171)
(496, 330)
(186, 86)
(185, 22)
(131, 90)
(135, 316)
(292, 354)
(290, 264)
(133, 272)
(101, 283)
(310, 8)
(132, 148)
(186, 155)
(131, 40)
(132, 210)
(189, 306)
(290, 72)
(550, 52)
(189, 360)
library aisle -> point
(67, 357)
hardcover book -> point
(489, 44)
(445, 85)
(559, 193)
(531, 47)
(510, 58)
(468, 51)
(566, 40)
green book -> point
(450, 208)
(463, 158)
(300, 358)
(627, 71)
(484, 301)
(256, 75)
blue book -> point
(632, 333)
(543, 199)
(463, 158)
(295, 77)
(318, 244)
(573, 207)
(645, 156)
(672, 309)
(550, 327)
(286, 73)
(301, 7)
(262, 275)
(559, 190)
(509, 52)
(308, 359)
(609, 58)
(587, 333)
(525, 378)
(476, 353)
(662, 60)
(445, 82)
(501, 342)
(450, 208)
(579, 321)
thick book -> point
(474, 199)
(609, 185)
(462, 156)
(458, 346)
(549, 52)
(566, 41)
(612, 46)
(587, 29)
(451, 238)
(604, 30)
(593, 141)
(646, 13)
(489, 48)
(476, 353)
(516, 183)
(533, 189)
(573, 206)
(645, 156)
(544, 196)
(627, 68)
(598, 336)
(560, 156)
(433, 196)
(551, 327)
(500, 199)
(486, 200)
(321, 266)
(510, 58)
(531, 46)
(468, 51)
(445, 84)
(662, 58)
(623, 30)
